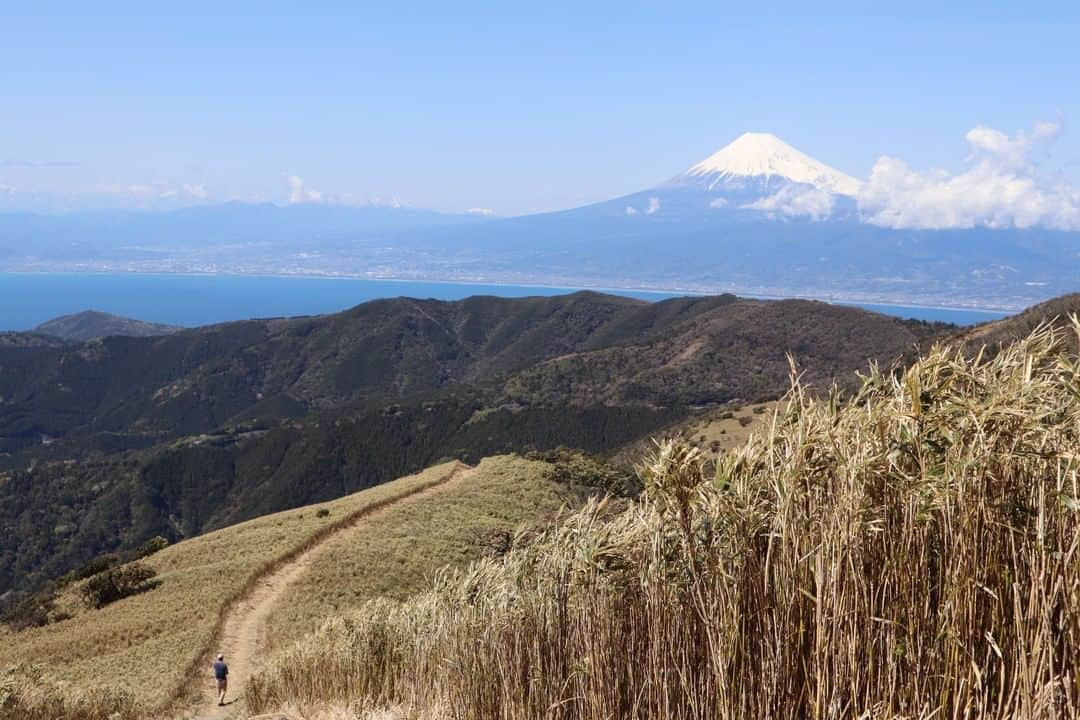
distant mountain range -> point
(237, 237)
(756, 218)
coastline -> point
(992, 312)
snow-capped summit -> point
(763, 157)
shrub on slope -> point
(117, 583)
(910, 553)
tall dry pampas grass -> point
(909, 553)
(26, 694)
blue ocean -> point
(28, 299)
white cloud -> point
(1002, 188)
(1010, 152)
(652, 208)
(486, 212)
(1047, 130)
(718, 203)
(7, 190)
(196, 191)
(154, 191)
(299, 193)
(378, 201)
(797, 200)
(135, 190)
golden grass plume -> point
(911, 552)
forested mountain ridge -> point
(113, 441)
(93, 324)
(197, 380)
(739, 352)
(15, 339)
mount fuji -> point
(758, 217)
(757, 173)
(761, 162)
(756, 178)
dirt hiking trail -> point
(243, 637)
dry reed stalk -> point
(909, 553)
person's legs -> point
(222, 686)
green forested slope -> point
(113, 441)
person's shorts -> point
(221, 683)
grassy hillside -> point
(145, 644)
(399, 553)
(714, 432)
(138, 654)
(911, 552)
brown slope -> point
(735, 351)
(994, 334)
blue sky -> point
(511, 106)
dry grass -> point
(714, 432)
(398, 553)
(723, 430)
(912, 553)
(146, 645)
(27, 694)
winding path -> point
(243, 638)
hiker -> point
(221, 674)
